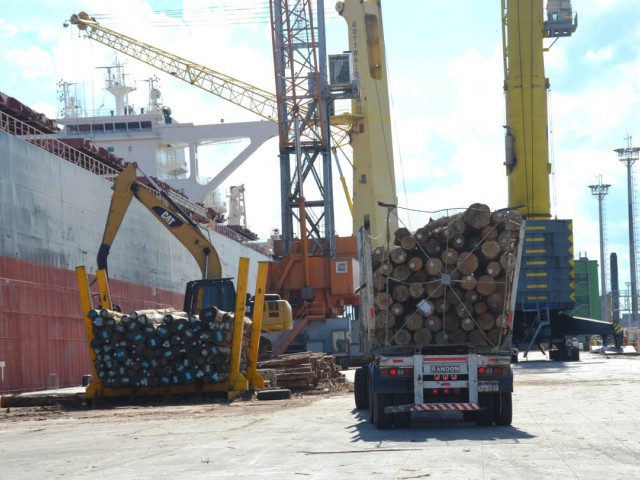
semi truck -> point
(436, 319)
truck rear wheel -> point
(485, 415)
(402, 419)
(360, 388)
(503, 411)
(381, 420)
(469, 415)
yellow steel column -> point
(255, 379)
(95, 387)
(237, 383)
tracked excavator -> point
(212, 289)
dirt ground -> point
(158, 408)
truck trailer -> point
(436, 319)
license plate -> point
(488, 387)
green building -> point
(587, 289)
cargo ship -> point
(55, 191)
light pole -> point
(629, 156)
(600, 191)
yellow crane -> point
(546, 292)
(374, 180)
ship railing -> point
(50, 143)
(227, 232)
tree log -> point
(490, 250)
(434, 290)
(467, 263)
(449, 256)
(398, 254)
(468, 282)
(464, 309)
(422, 336)
(413, 322)
(401, 272)
(495, 302)
(486, 321)
(493, 269)
(486, 285)
(416, 290)
(467, 324)
(399, 234)
(433, 266)
(490, 232)
(477, 216)
(397, 309)
(400, 293)
(479, 308)
(433, 323)
(408, 243)
(384, 319)
(402, 337)
(383, 300)
(415, 264)
(379, 256)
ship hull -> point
(53, 215)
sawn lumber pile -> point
(304, 371)
(164, 347)
(447, 283)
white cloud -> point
(600, 55)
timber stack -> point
(164, 347)
(304, 371)
(448, 282)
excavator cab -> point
(276, 316)
(219, 293)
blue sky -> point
(445, 69)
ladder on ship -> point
(541, 320)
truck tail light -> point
(396, 372)
(493, 371)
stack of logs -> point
(449, 282)
(164, 347)
(304, 371)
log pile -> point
(304, 371)
(448, 282)
(164, 347)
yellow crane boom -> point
(247, 96)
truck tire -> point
(469, 415)
(485, 415)
(275, 394)
(502, 409)
(403, 419)
(360, 388)
(381, 420)
(514, 355)
(370, 395)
